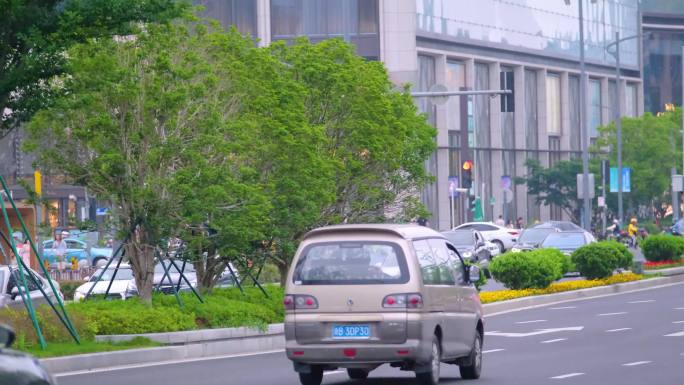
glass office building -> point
(528, 46)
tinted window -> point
(47, 244)
(564, 240)
(121, 274)
(444, 262)
(457, 266)
(485, 227)
(350, 263)
(534, 235)
(460, 238)
(74, 245)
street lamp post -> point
(618, 113)
(583, 123)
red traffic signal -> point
(468, 165)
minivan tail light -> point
(403, 301)
(298, 301)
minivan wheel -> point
(472, 370)
(431, 377)
(357, 374)
(315, 377)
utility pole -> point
(583, 125)
(618, 126)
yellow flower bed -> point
(502, 295)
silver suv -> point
(359, 296)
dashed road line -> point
(563, 307)
(678, 334)
(642, 301)
(607, 314)
(637, 363)
(679, 308)
(678, 322)
(552, 341)
(617, 330)
(492, 351)
(567, 376)
(531, 322)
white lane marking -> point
(333, 372)
(607, 314)
(678, 334)
(531, 322)
(581, 299)
(552, 341)
(170, 362)
(535, 333)
(563, 307)
(567, 376)
(643, 301)
(679, 308)
(678, 322)
(637, 363)
(617, 330)
(492, 351)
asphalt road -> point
(634, 338)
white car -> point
(123, 286)
(501, 236)
(493, 248)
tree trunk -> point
(141, 256)
(283, 270)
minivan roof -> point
(406, 231)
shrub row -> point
(222, 308)
(662, 248)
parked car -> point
(9, 292)
(499, 235)
(359, 296)
(19, 368)
(173, 277)
(470, 245)
(560, 225)
(568, 241)
(123, 286)
(86, 256)
(532, 238)
(493, 249)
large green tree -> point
(34, 37)
(374, 141)
(155, 124)
(651, 146)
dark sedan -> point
(568, 241)
(531, 238)
(470, 244)
(18, 368)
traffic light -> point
(467, 174)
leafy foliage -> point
(662, 248)
(626, 260)
(526, 270)
(34, 34)
(596, 260)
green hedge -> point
(662, 248)
(527, 270)
(626, 260)
(222, 308)
(597, 260)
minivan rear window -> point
(351, 263)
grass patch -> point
(557, 287)
(57, 349)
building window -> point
(506, 83)
(631, 101)
(455, 80)
(531, 108)
(356, 21)
(554, 150)
(426, 78)
(481, 107)
(594, 107)
(240, 13)
(574, 96)
(553, 105)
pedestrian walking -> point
(500, 221)
(519, 224)
(59, 248)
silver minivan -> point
(359, 296)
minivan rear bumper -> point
(358, 354)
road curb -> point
(666, 272)
(523, 303)
(219, 342)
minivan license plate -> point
(351, 331)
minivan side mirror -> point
(473, 273)
(6, 336)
